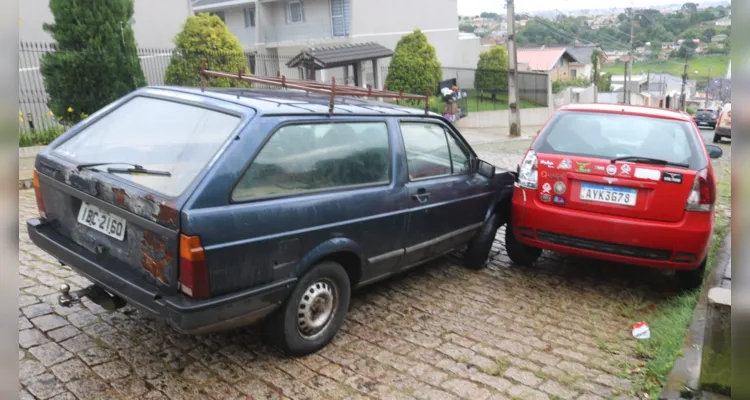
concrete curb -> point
(683, 380)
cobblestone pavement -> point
(559, 330)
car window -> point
(427, 151)
(157, 134)
(606, 135)
(313, 157)
(459, 156)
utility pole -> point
(684, 81)
(630, 60)
(625, 86)
(515, 114)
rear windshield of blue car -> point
(608, 136)
(157, 134)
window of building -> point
(249, 14)
(295, 12)
(309, 158)
(219, 14)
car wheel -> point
(479, 247)
(313, 313)
(518, 252)
(717, 138)
(691, 279)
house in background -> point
(583, 67)
(283, 28)
(155, 23)
(555, 61)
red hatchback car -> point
(627, 184)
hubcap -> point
(316, 308)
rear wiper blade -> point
(648, 160)
(136, 168)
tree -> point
(689, 8)
(708, 34)
(492, 71)
(596, 59)
(95, 62)
(414, 66)
(205, 37)
(490, 15)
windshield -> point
(156, 134)
(609, 136)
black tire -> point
(717, 138)
(480, 246)
(691, 279)
(518, 252)
(283, 328)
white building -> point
(285, 27)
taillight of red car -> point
(38, 194)
(193, 271)
(703, 193)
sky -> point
(475, 7)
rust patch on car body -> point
(120, 196)
(155, 256)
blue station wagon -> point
(217, 209)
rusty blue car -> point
(216, 209)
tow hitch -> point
(95, 293)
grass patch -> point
(717, 63)
(669, 322)
(476, 101)
(40, 138)
(502, 365)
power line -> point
(570, 36)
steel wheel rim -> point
(316, 308)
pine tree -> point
(206, 37)
(414, 66)
(96, 60)
(492, 71)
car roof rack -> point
(330, 89)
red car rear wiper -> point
(648, 160)
(136, 168)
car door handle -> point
(422, 196)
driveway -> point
(558, 330)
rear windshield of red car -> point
(609, 136)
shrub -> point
(95, 61)
(414, 66)
(492, 71)
(205, 36)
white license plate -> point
(102, 221)
(608, 194)
(702, 123)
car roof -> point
(625, 109)
(285, 102)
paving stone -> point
(131, 387)
(557, 390)
(71, 370)
(88, 388)
(466, 389)
(29, 368)
(78, 343)
(526, 393)
(112, 370)
(64, 333)
(64, 396)
(524, 377)
(50, 354)
(97, 355)
(26, 299)
(36, 310)
(49, 322)
(44, 386)
(31, 337)
(82, 318)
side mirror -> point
(485, 169)
(714, 151)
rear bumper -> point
(723, 132)
(668, 245)
(183, 313)
(711, 124)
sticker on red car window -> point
(647, 173)
(625, 170)
(547, 163)
(611, 169)
(558, 176)
(546, 198)
(564, 164)
(598, 167)
(559, 187)
(558, 200)
(546, 188)
(583, 167)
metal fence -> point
(485, 90)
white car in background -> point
(724, 124)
